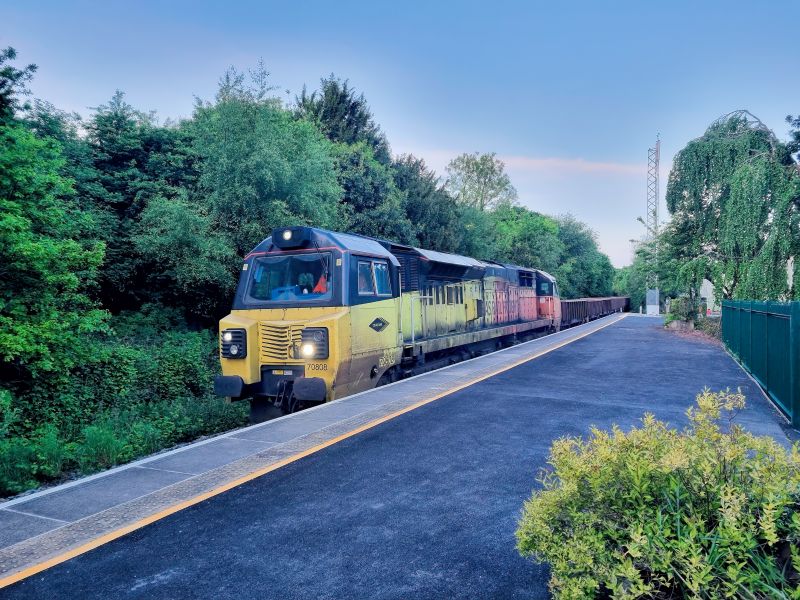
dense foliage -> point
(709, 512)
(479, 181)
(732, 196)
(120, 242)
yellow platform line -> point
(117, 533)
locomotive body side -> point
(319, 315)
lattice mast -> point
(652, 221)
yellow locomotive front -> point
(289, 340)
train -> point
(318, 315)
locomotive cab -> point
(549, 300)
(288, 340)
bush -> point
(708, 512)
(51, 452)
(8, 415)
(681, 309)
(116, 436)
(101, 448)
(711, 326)
(17, 466)
(146, 386)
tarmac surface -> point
(424, 505)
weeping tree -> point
(732, 195)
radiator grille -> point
(279, 340)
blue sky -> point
(569, 96)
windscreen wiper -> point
(324, 261)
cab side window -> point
(366, 285)
(545, 289)
(370, 280)
(383, 284)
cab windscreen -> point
(291, 278)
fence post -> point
(794, 363)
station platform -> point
(39, 526)
(412, 489)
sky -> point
(569, 96)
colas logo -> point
(379, 324)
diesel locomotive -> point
(319, 315)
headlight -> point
(313, 343)
(233, 343)
(287, 235)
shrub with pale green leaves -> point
(708, 512)
(681, 309)
(711, 326)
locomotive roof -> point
(450, 259)
(517, 267)
(384, 249)
(546, 274)
(343, 241)
(363, 244)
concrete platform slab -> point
(284, 431)
(15, 526)
(105, 502)
(208, 456)
(91, 498)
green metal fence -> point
(765, 338)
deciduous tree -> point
(731, 197)
(527, 238)
(434, 214)
(260, 168)
(13, 84)
(45, 313)
(583, 270)
(371, 202)
(479, 181)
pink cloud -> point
(438, 159)
(574, 165)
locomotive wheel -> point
(389, 376)
(293, 406)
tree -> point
(432, 211)
(342, 116)
(45, 270)
(794, 136)
(731, 196)
(479, 181)
(260, 168)
(624, 284)
(480, 237)
(583, 270)
(632, 280)
(123, 162)
(371, 202)
(190, 263)
(527, 238)
(45, 313)
(13, 84)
